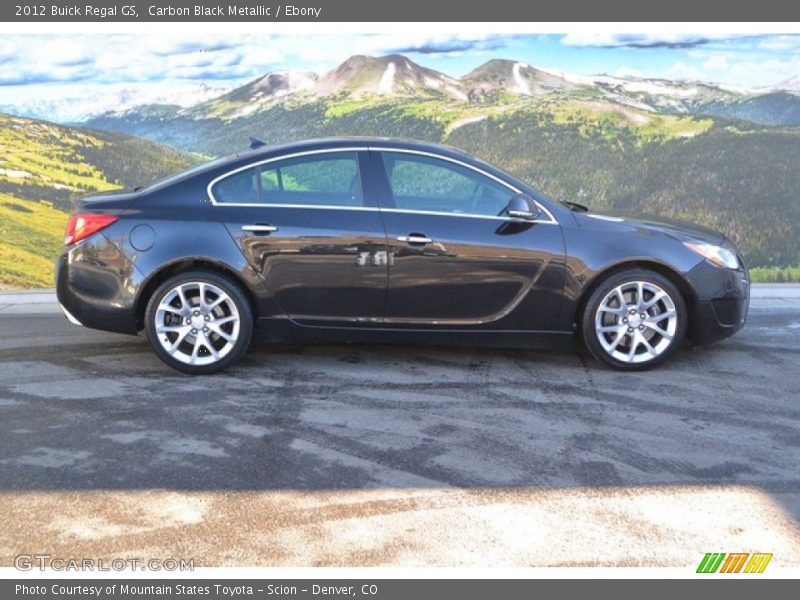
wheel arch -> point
(683, 285)
(189, 264)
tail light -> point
(83, 225)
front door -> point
(457, 259)
(305, 224)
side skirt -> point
(284, 330)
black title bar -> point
(407, 10)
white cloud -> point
(640, 40)
(67, 54)
(7, 50)
(781, 43)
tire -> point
(199, 338)
(634, 335)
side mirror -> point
(522, 207)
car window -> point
(318, 179)
(239, 187)
(430, 184)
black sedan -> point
(382, 240)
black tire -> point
(590, 333)
(245, 322)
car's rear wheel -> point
(634, 320)
(198, 322)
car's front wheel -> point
(634, 320)
(198, 323)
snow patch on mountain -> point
(387, 79)
(433, 83)
(522, 85)
(789, 85)
(457, 93)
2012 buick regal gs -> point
(388, 241)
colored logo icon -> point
(735, 562)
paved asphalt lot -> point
(365, 455)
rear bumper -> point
(70, 317)
(96, 285)
(722, 303)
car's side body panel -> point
(319, 265)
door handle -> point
(260, 228)
(415, 238)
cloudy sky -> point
(50, 68)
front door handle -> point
(260, 228)
(415, 238)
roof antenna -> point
(256, 143)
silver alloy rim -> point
(636, 322)
(197, 323)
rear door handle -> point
(415, 238)
(260, 228)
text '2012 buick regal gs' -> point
(391, 241)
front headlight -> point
(722, 257)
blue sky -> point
(35, 68)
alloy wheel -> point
(197, 323)
(636, 322)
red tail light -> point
(84, 225)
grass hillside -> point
(42, 167)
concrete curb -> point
(775, 290)
(46, 296)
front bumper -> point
(722, 302)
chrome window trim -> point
(306, 206)
(550, 221)
(436, 213)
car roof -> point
(345, 141)
(277, 150)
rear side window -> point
(239, 187)
(315, 180)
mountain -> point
(43, 167)
(255, 95)
(392, 75)
(776, 109)
(52, 107)
(366, 79)
(792, 84)
(506, 76)
(690, 150)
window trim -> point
(551, 220)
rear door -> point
(306, 225)
(456, 258)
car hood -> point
(664, 225)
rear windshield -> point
(175, 177)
